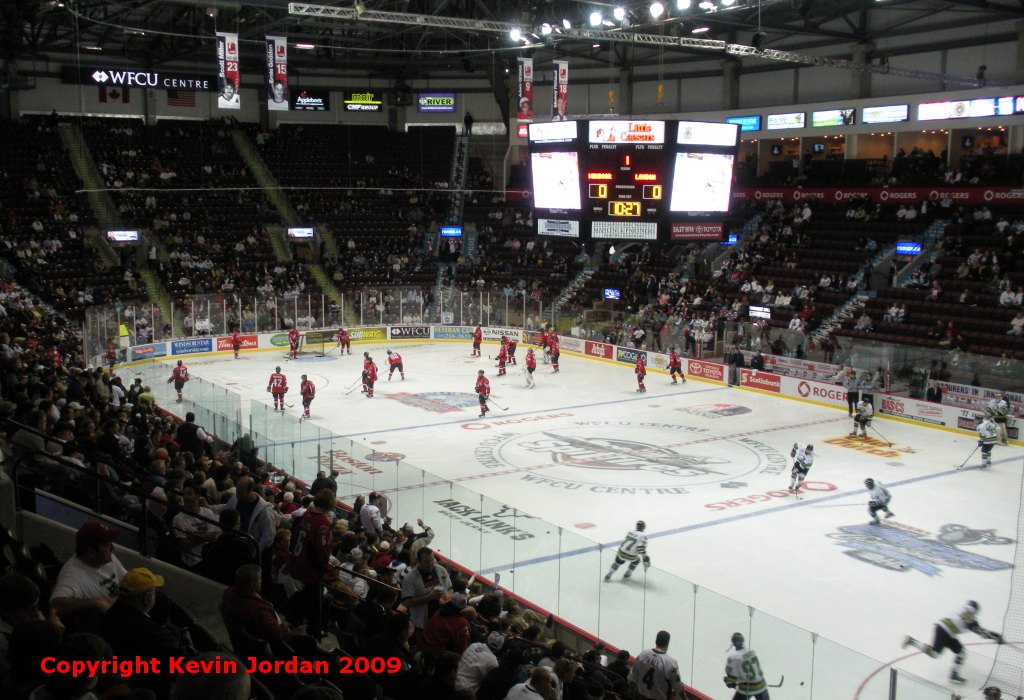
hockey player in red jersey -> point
(502, 358)
(343, 341)
(293, 342)
(483, 391)
(531, 366)
(236, 343)
(395, 362)
(544, 345)
(675, 366)
(512, 351)
(369, 376)
(478, 336)
(308, 392)
(111, 356)
(641, 372)
(555, 349)
(179, 376)
(278, 387)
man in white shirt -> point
(192, 532)
(89, 579)
(1016, 325)
(369, 515)
(477, 661)
(1007, 298)
(797, 324)
(539, 687)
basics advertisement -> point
(914, 410)
(403, 332)
(191, 346)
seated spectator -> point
(797, 324)
(498, 683)
(447, 629)
(74, 648)
(478, 660)
(864, 323)
(967, 299)
(1016, 325)
(894, 311)
(1007, 299)
(223, 686)
(88, 582)
(192, 528)
(935, 293)
(19, 602)
(230, 551)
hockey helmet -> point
(974, 605)
(641, 525)
(387, 351)
(810, 448)
(480, 373)
(366, 354)
(303, 377)
(179, 363)
(870, 483)
(737, 640)
(278, 368)
(992, 693)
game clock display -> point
(630, 179)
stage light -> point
(566, 24)
(545, 29)
(657, 10)
(619, 13)
(595, 18)
(682, 4)
(701, 30)
(515, 34)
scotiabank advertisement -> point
(759, 379)
(957, 195)
(249, 342)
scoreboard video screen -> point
(632, 179)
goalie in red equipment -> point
(512, 351)
(369, 376)
(544, 345)
(555, 349)
(395, 361)
(478, 335)
(293, 342)
(343, 341)
(531, 365)
(308, 392)
(278, 387)
(675, 366)
(641, 372)
(483, 391)
(502, 357)
(236, 343)
(179, 376)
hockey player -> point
(555, 349)
(502, 358)
(743, 672)
(865, 412)
(483, 392)
(366, 366)
(179, 375)
(544, 345)
(880, 498)
(395, 362)
(369, 376)
(641, 371)
(987, 432)
(293, 343)
(850, 383)
(308, 392)
(512, 351)
(478, 336)
(236, 342)
(804, 458)
(111, 356)
(278, 387)
(632, 549)
(343, 341)
(946, 631)
(675, 366)
(531, 366)
(999, 410)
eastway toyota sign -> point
(120, 77)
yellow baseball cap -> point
(139, 581)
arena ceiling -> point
(165, 33)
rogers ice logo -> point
(804, 389)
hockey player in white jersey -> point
(743, 672)
(632, 549)
(865, 412)
(804, 458)
(987, 432)
(880, 498)
(998, 409)
(946, 631)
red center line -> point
(516, 470)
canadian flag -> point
(113, 94)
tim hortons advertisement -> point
(758, 379)
(602, 350)
(936, 195)
(706, 370)
(249, 342)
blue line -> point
(730, 519)
(647, 397)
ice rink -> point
(707, 467)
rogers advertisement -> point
(958, 195)
(249, 342)
(697, 232)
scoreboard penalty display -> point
(635, 180)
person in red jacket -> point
(478, 336)
(311, 558)
(447, 629)
(512, 351)
(531, 366)
(293, 342)
(555, 350)
(236, 342)
(343, 341)
(179, 376)
(502, 357)
(369, 377)
(395, 362)
(483, 391)
(675, 366)
(278, 387)
(641, 372)
(544, 345)
(111, 356)
(308, 392)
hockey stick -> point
(881, 436)
(503, 408)
(969, 456)
(837, 505)
(779, 684)
(350, 389)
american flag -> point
(181, 98)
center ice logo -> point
(438, 402)
(611, 453)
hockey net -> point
(1008, 670)
(313, 343)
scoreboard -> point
(632, 179)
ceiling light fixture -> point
(595, 18)
(619, 13)
(657, 10)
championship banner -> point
(560, 91)
(227, 71)
(525, 109)
(277, 74)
